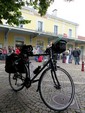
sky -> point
(73, 11)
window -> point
(70, 32)
(70, 46)
(21, 25)
(55, 29)
(40, 26)
(40, 43)
(19, 41)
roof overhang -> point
(80, 41)
(76, 41)
(18, 30)
(35, 33)
(47, 35)
(32, 33)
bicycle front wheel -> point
(54, 97)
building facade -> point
(40, 31)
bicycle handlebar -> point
(58, 46)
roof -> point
(81, 38)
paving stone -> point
(29, 101)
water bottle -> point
(37, 70)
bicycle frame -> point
(54, 77)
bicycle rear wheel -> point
(16, 81)
(56, 98)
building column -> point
(6, 38)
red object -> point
(40, 58)
(82, 69)
(17, 51)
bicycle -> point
(55, 85)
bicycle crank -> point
(27, 82)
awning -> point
(80, 41)
(35, 33)
(18, 30)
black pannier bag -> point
(59, 46)
(27, 49)
(11, 66)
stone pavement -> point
(29, 101)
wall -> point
(48, 23)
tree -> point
(42, 5)
(10, 10)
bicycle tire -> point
(54, 98)
(17, 81)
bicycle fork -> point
(55, 79)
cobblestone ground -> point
(29, 101)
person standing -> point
(76, 55)
(63, 57)
(9, 50)
(4, 52)
(35, 51)
(70, 55)
(17, 50)
(0, 53)
(79, 51)
(67, 56)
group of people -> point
(38, 50)
(4, 51)
(70, 54)
(67, 56)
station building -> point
(40, 31)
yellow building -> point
(40, 31)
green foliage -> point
(41, 5)
(10, 10)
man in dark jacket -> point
(76, 54)
(79, 52)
